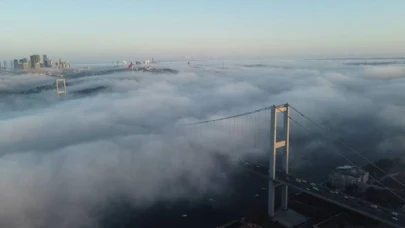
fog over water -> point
(110, 136)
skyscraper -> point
(45, 60)
(34, 60)
(16, 64)
(5, 64)
(24, 64)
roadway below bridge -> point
(384, 215)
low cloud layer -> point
(385, 72)
(113, 135)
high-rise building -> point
(5, 64)
(26, 66)
(45, 60)
(0, 65)
(34, 60)
(22, 64)
(16, 64)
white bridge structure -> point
(250, 133)
(60, 85)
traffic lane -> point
(366, 206)
(361, 206)
(325, 192)
(399, 214)
(351, 203)
(337, 196)
(344, 198)
(279, 175)
(340, 196)
(379, 208)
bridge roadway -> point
(356, 205)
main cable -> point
(350, 148)
(347, 159)
(228, 117)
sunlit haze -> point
(188, 114)
(97, 31)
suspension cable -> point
(347, 159)
(350, 148)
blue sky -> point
(91, 30)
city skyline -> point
(223, 29)
(34, 62)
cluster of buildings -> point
(145, 62)
(4, 66)
(344, 176)
(34, 62)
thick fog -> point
(114, 135)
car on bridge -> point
(378, 213)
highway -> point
(356, 205)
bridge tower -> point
(61, 81)
(283, 145)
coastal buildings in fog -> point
(34, 62)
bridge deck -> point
(356, 205)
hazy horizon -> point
(114, 145)
(103, 31)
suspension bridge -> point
(262, 131)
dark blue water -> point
(244, 197)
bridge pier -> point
(274, 145)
